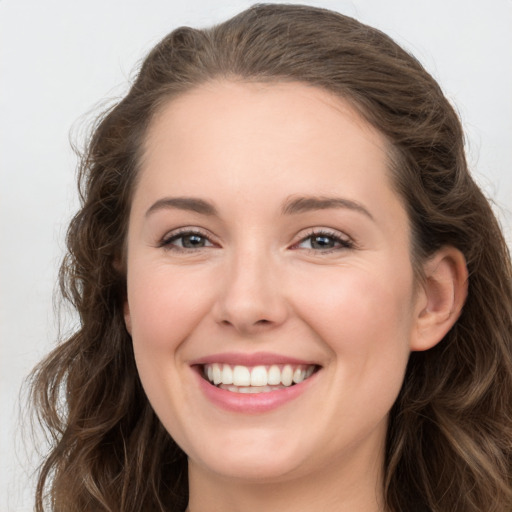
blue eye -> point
(320, 241)
(187, 240)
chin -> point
(255, 471)
(250, 460)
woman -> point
(292, 294)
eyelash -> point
(342, 243)
(167, 241)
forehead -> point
(263, 140)
(260, 109)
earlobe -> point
(442, 295)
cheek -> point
(357, 299)
(365, 318)
(165, 306)
(366, 323)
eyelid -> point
(345, 241)
(166, 241)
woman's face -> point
(266, 242)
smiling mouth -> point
(256, 379)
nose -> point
(251, 299)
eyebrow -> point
(308, 203)
(191, 204)
(292, 206)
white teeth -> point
(259, 376)
(257, 379)
(298, 375)
(241, 376)
(250, 389)
(217, 374)
(274, 375)
(287, 375)
(227, 374)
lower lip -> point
(252, 403)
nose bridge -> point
(251, 296)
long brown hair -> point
(449, 443)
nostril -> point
(258, 322)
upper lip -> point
(254, 359)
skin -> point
(258, 284)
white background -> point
(59, 59)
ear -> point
(441, 297)
(127, 317)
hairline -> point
(393, 155)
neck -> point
(338, 487)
